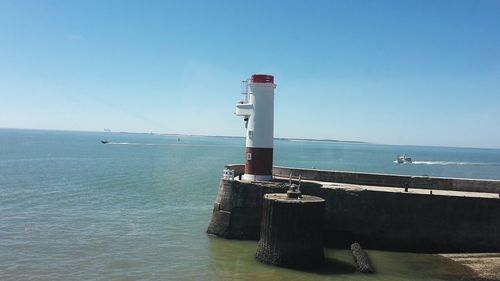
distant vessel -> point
(104, 141)
(403, 159)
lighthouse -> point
(257, 109)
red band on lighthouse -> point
(262, 78)
(259, 161)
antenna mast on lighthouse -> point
(257, 109)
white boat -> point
(403, 159)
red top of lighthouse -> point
(262, 78)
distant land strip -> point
(322, 140)
(241, 137)
(186, 135)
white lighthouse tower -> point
(257, 108)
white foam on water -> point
(449, 163)
(136, 143)
(170, 144)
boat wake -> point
(450, 163)
(167, 144)
(136, 143)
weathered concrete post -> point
(361, 259)
(292, 231)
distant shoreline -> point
(282, 139)
(323, 140)
(242, 137)
(191, 135)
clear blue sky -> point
(397, 72)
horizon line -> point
(228, 136)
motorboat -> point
(104, 141)
(403, 159)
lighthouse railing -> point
(244, 91)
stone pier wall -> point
(377, 219)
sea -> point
(137, 208)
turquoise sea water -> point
(137, 208)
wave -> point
(450, 163)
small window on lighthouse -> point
(249, 156)
(250, 134)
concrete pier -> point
(462, 215)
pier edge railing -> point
(378, 179)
